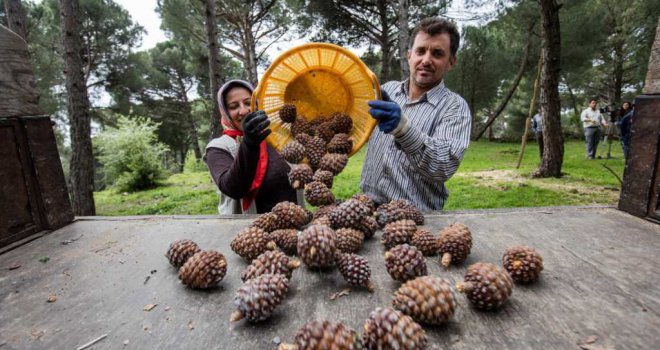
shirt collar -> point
(432, 96)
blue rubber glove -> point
(387, 113)
(255, 128)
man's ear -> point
(452, 60)
(407, 55)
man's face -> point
(592, 104)
(429, 59)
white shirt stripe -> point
(415, 165)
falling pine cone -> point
(317, 335)
(349, 240)
(454, 244)
(315, 150)
(288, 113)
(368, 226)
(300, 127)
(486, 286)
(273, 262)
(257, 298)
(404, 262)
(342, 123)
(300, 175)
(324, 211)
(303, 138)
(364, 199)
(427, 299)
(290, 215)
(268, 222)
(180, 251)
(333, 162)
(349, 214)
(355, 269)
(293, 152)
(317, 194)
(341, 144)
(317, 246)
(203, 270)
(251, 242)
(387, 328)
(324, 177)
(398, 232)
(286, 239)
(325, 131)
(398, 210)
(425, 241)
(524, 264)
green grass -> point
(487, 178)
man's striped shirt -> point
(415, 164)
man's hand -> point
(255, 128)
(387, 113)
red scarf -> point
(262, 165)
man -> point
(591, 121)
(625, 124)
(424, 128)
(537, 128)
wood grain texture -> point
(600, 279)
(17, 87)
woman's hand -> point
(255, 128)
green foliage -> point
(194, 165)
(131, 154)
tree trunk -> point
(82, 165)
(385, 48)
(553, 141)
(514, 86)
(194, 138)
(214, 66)
(250, 48)
(404, 36)
(574, 105)
(16, 18)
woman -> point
(251, 176)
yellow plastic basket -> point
(320, 79)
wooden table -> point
(600, 283)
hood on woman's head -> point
(224, 89)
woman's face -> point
(237, 101)
(626, 105)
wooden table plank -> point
(599, 280)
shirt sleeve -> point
(583, 116)
(233, 176)
(438, 156)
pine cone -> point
(273, 262)
(333, 162)
(317, 246)
(405, 262)
(486, 286)
(387, 328)
(341, 144)
(324, 177)
(286, 239)
(290, 215)
(524, 264)
(251, 242)
(425, 241)
(364, 199)
(299, 127)
(356, 270)
(315, 150)
(349, 214)
(317, 335)
(180, 251)
(427, 299)
(293, 152)
(257, 298)
(454, 244)
(369, 226)
(268, 222)
(398, 232)
(288, 113)
(203, 270)
(317, 194)
(349, 240)
(342, 123)
(300, 175)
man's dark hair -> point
(593, 99)
(436, 25)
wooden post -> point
(532, 106)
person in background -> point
(625, 124)
(592, 121)
(251, 176)
(423, 127)
(537, 128)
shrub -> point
(192, 165)
(131, 154)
